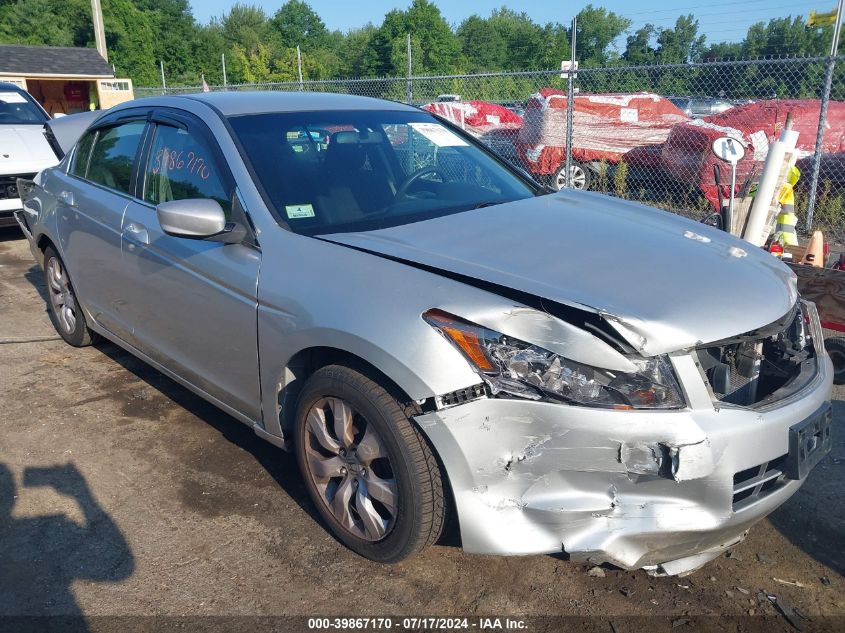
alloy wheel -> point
(349, 465)
(577, 178)
(61, 295)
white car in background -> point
(24, 151)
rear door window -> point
(183, 166)
(113, 155)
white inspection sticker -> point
(296, 211)
(439, 135)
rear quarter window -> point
(79, 167)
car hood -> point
(664, 282)
(66, 130)
(24, 150)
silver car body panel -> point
(527, 477)
(616, 258)
(538, 477)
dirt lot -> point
(121, 493)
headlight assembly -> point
(512, 366)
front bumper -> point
(534, 477)
(8, 206)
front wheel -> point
(65, 311)
(580, 177)
(369, 471)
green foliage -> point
(597, 29)
(299, 25)
(261, 48)
(620, 180)
(601, 182)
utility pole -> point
(163, 84)
(828, 81)
(570, 107)
(299, 66)
(409, 89)
(99, 31)
(223, 61)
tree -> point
(482, 45)
(639, 50)
(246, 26)
(353, 49)
(298, 25)
(176, 37)
(681, 44)
(438, 48)
(47, 23)
(597, 29)
(130, 37)
(556, 46)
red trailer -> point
(476, 117)
(606, 127)
(687, 155)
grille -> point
(755, 483)
(9, 185)
(463, 395)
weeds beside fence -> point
(676, 173)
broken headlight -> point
(514, 367)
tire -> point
(581, 177)
(62, 305)
(378, 462)
(836, 350)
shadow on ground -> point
(43, 555)
(280, 465)
(813, 518)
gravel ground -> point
(122, 493)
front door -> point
(193, 302)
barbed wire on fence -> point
(653, 149)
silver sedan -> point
(432, 333)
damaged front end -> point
(635, 462)
(762, 366)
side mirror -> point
(197, 218)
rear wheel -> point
(368, 469)
(836, 350)
(580, 177)
(64, 309)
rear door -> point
(192, 302)
(91, 199)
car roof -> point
(239, 103)
(9, 86)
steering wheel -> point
(402, 191)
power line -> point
(710, 6)
(727, 14)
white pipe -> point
(769, 182)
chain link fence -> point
(643, 133)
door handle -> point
(136, 232)
(66, 198)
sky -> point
(719, 20)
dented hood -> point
(24, 150)
(663, 282)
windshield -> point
(342, 171)
(16, 109)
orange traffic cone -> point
(815, 251)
